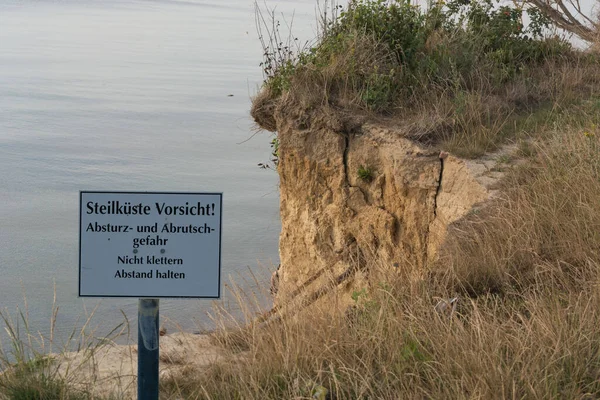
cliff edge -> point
(354, 193)
(393, 125)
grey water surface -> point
(128, 95)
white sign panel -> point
(142, 244)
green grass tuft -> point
(365, 173)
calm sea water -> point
(128, 95)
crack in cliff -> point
(439, 186)
(435, 205)
(345, 161)
(345, 158)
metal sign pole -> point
(148, 337)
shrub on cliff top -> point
(444, 45)
(449, 63)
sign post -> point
(150, 245)
(148, 353)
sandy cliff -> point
(352, 193)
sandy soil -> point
(112, 368)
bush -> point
(446, 45)
(390, 57)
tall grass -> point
(548, 221)
(35, 367)
(526, 271)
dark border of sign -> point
(220, 194)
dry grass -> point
(527, 273)
(34, 367)
(548, 221)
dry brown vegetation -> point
(34, 367)
(546, 223)
(526, 270)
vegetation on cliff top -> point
(460, 74)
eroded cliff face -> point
(337, 224)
